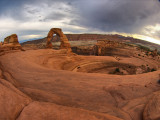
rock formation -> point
(57, 94)
(21, 107)
(10, 43)
(155, 53)
(11, 39)
(1, 44)
(49, 84)
(101, 47)
(15, 99)
(152, 109)
(64, 40)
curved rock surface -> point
(152, 109)
(41, 75)
(12, 101)
(21, 107)
(50, 111)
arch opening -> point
(64, 43)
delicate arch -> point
(64, 40)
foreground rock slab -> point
(152, 110)
(49, 111)
(12, 101)
(65, 95)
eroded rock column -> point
(11, 43)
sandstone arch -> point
(64, 40)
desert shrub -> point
(148, 69)
(144, 48)
(146, 54)
(117, 70)
(158, 81)
(152, 70)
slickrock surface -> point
(50, 111)
(12, 101)
(152, 109)
(51, 89)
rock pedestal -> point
(10, 43)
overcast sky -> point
(34, 18)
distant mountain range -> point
(22, 41)
(90, 37)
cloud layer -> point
(35, 17)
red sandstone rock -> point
(0, 73)
(41, 74)
(155, 53)
(50, 111)
(12, 101)
(152, 109)
(10, 43)
(1, 44)
(11, 39)
(64, 40)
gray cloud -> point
(119, 15)
(55, 16)
(129, 16)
